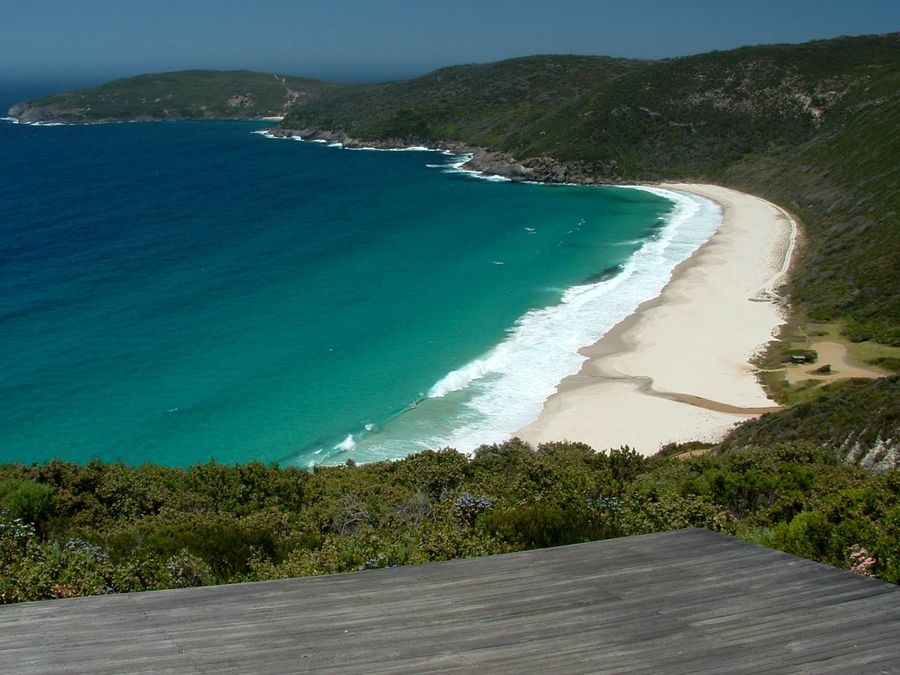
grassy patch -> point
(799, 336)
(859, 353)
(787, 393)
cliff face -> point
(30, 113)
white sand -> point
(693, 343)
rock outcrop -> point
(491, 162)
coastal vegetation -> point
(68, 530)
(791, 382)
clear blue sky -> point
(377, 39)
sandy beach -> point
(678, 369)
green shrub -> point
(542, 525)
(27, 499)
(809, 534)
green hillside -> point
(845, 186)
(189, 94)
(479, 104)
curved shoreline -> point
(640, 385)
(678, 369)
(608, 404)
(610, 401)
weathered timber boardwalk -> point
(689, 601)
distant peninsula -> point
(183, 95)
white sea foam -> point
(460, 161)
(450, 167)
(508, 385)
(347, 444)
(10, 119)
(411, 148)
(267, 133)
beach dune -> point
(679, 369)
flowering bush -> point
(468, 507)
(861, 560)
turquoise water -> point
(175, 292)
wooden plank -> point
(687, 601)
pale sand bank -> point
(692, 344)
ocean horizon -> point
(177, 292)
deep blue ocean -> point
(180, 291)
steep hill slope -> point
(844, 183)
(860, 419)
(482, 104)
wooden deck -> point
(689, 601)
